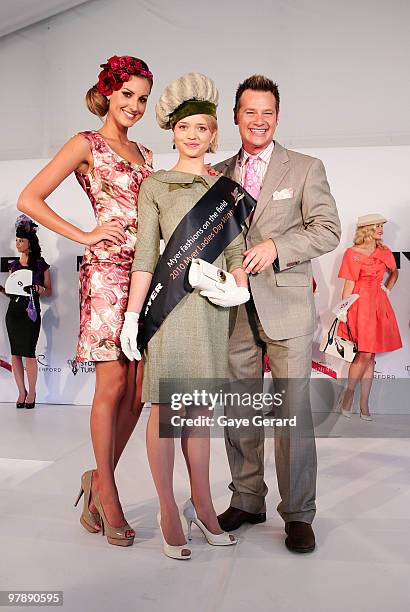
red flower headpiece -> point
(117, 71)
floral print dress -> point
(112, 188)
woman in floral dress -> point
(110, 168)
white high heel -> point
(339, 406)
(215, 539)
(174, 552)
(366, 417)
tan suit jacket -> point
(302, 226)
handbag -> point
(204, 276)
(16, 282)
(31, 307)
(334, 345)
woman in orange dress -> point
(110, 169)
(371, 318)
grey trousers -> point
(295, 449)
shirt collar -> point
(264, 155)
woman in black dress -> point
(22, 329)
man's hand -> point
(259, 257)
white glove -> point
(342, 317)
(228, 296)
(128, 336)
(385, 289)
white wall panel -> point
(342, 67)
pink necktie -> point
(251, 181)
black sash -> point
(205, 232)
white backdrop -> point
(342, 67)
(374, 179)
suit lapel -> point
(230, 166)
(229, 171)
(277, 169)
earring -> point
(173, 146)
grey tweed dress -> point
(192, 342)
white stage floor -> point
(362, 560)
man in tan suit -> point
(295, 220)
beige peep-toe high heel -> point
(89, 520)
(118, 536)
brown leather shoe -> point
(301, 538)
(233, 518)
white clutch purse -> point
(204, 276)
(16, 282)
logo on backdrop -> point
(44, 365)
(73, 365)
(397, 257)
(5, 364)
(383, 375)
(85, 367)
(5, 263)
(323, 368)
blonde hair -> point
(96, 102)
(213, 126)
(364, 234)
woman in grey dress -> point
(192, 341)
